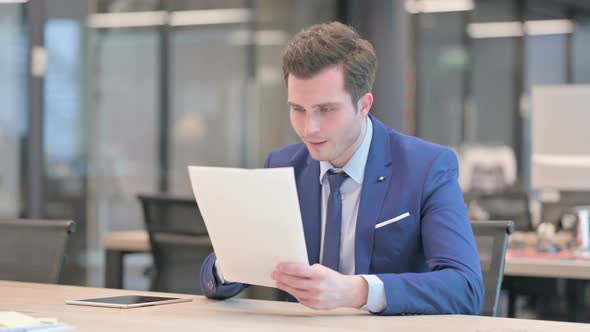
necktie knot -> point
(336, 180)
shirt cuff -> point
(376, 300)
(218, 273)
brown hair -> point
(324, 45)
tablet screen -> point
(130, 299)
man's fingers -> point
(294, 282)
(299, 294)
(310, 303)
(295, 269)
(300, 270)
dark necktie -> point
(331, 254)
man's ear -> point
(364, 104)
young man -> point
(385, 224)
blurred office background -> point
(103, 99)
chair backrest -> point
(487, 167)
(492, 239)
(33, 250)
(505, 205)
(179, 242)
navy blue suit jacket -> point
(428, 262)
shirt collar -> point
(355, 167)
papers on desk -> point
(11, 321)
(253, 220)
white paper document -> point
(253, 220)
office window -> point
(212, 98)
(546, 54)
(226, 98)
(442, 63)
(504, 48)
(13, 83)
(493, 74)
(64, 130)
(581, 49)
(123, 131)
(465, 83)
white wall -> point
(560, 137)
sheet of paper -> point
(253, 220)
(10, 320)
(16, 319)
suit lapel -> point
(378, 174)
(308, 189)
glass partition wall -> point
(476, 61)
(129, 94)
(179, 83)
(13, 81)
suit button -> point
(210, 284)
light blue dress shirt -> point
(351, 196)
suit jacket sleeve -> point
(453, 284)
(211, 287)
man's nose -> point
(312, 124)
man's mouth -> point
(317, 143)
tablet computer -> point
(128, 301)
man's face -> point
(323, 115)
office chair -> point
(492, 239)
(33, 250)
(487, 168)
(504, 205)
(179, 242)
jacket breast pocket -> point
(393, 220)
(397, 241)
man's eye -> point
(325, 109)
(297, 109)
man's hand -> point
(319, 287)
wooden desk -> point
(530, 264)
(120, 243)
(42, 300)
(117, 245)
(129, 241)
